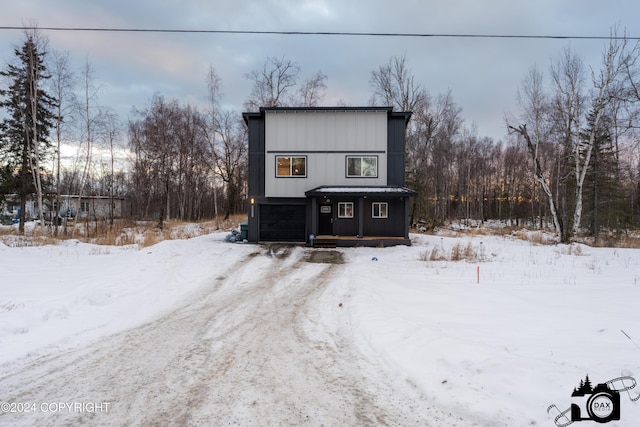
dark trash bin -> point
(244, 230)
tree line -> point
(568, 163)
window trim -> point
(380, 204)
(348, 213)
(361, 157)
(291, 157)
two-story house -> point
(328, 174)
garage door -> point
(282, 223)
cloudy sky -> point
(483, 74)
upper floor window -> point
(362, 166)
(291, 166)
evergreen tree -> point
(24, 130)
(603, 196)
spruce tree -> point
(24, 130)
(603, 197)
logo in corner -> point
(600, 403)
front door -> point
(325, 221)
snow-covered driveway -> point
(249, 348)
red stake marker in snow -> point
(478, 274)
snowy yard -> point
(204, 332)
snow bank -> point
(497, 352)
(502, 350)
(68, 294)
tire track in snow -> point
(238, 355)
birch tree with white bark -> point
(609, 85)
(568, 110)
(89, 116)
(62, 85)
(24, 131)
(535, 111)
(214, 85)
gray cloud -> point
(483, 74)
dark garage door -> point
(282, 223)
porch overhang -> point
(360, 191)
(359, 227)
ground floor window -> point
(345, 210)
(379, 209)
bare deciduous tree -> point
(311, 93)
(172, 164)
(535, 111)
(231, 156)
(271, 84)
(567, 112)
(153, 138)
(568, 116)
(111, 130)
(394, 85)
(62, 85)
(214, 84)
(605, 91)
(538, 172)
(89, 116)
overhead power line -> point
(325, 33)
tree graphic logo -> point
(600, 403)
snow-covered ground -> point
(493, 339)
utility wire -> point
(323, 33)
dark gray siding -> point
(393, 225)
(256, 156)
(255, 125)
(396, 148)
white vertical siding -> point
(325, 138)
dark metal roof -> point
(360, 191)
(370, 108)
(389, 110)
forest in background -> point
(569, 160)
